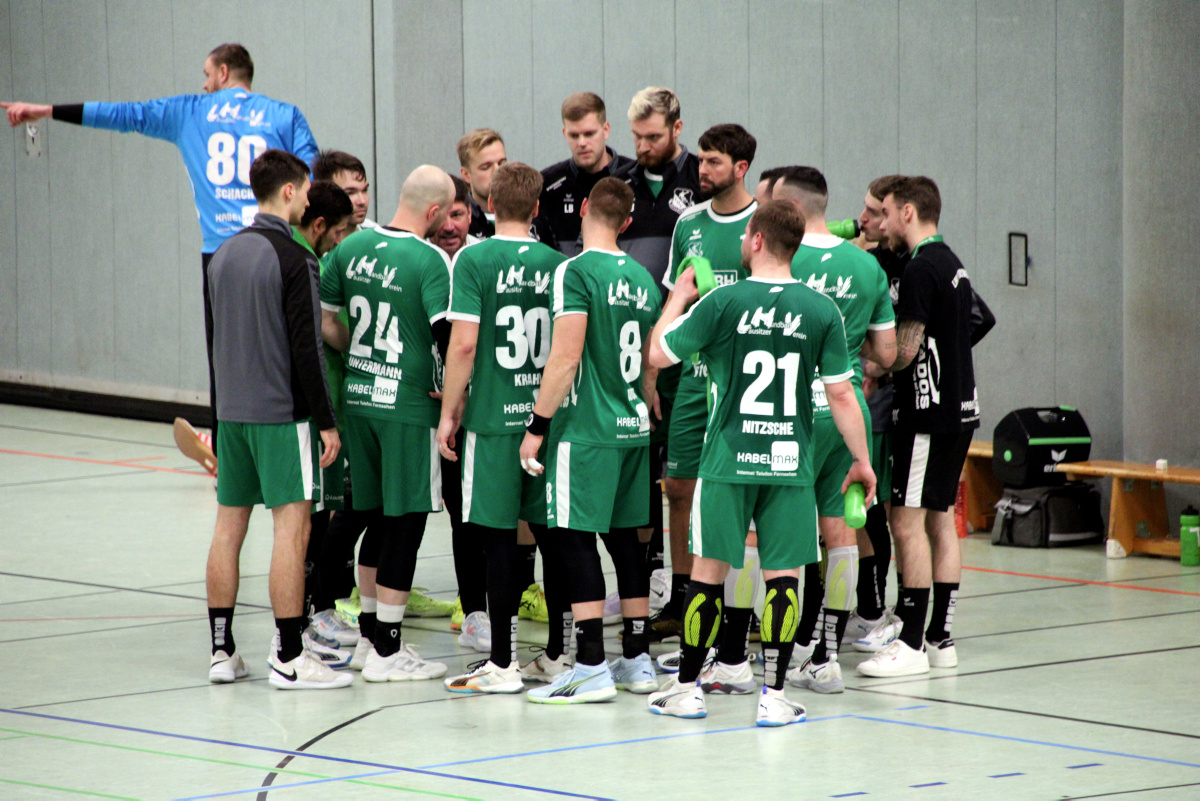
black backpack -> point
(1042, 517)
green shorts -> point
(268, 463)
(831, 462)
(597, 489)
(685, 439)
(786, 519)
(333, 478)
(395, 465)
(881, 463)
(496, 492)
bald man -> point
(396, 286)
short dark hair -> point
(328, 200)
(515, 191)
(581, 104)
(462, 190)
(272, 169)
(923, 194)
(329, 163)
(236, 57)
(810, 183)
(611, 200)
(883, 186)
(771, 175)
(731, 139)
(781, 225)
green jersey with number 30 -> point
(762, 340)
(503, 284)
(395, 285)
(853, 279)
(605, 408)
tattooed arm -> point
(909, 336)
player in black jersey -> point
(567, 183)
(936, 411)
(480, 152)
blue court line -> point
(1089, 765)
(848, 795)
(615, 742)
(1005, 775)
(307, 754)
(907, 708)
(274, 787)
(930, 784)
(1031, 742)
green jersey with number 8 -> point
(503, 284)
(762, 340)
(605, 407)
(395, 285)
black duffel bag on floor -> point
(1042, 517)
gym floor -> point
(1075, 675)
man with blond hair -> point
(480, 152)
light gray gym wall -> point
(1016, 107)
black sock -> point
(289, 629)
(589, 641)
(833, 626)
(318, 527)
(868, 603)
(945, 599)
(367, 624)
(679, 589)
(636, 640)
(220, 628)
(387, 636)
(912, 606)
(814, 599)
(779, 622)
(470, 566)
(701, 623)
(558, 600)
(526, 566)
(505, 561)
(735, 632)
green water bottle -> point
(846, 229)
(705, 280)
(1189, 537)
(856, 505)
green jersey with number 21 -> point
(395, 286)
(605, 407)
(762, 340)
(503, 284)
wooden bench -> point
(1137, 515)
(983, 488)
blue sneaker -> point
(582, 684)
(634, 675)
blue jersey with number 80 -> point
(219, 135)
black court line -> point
(257, 611)
(57, 597)
(170, 447)
(75, 478)
(1131, 792)
(1059, 586)
(131, 695)
(283, 763)
(1076, 625)
(241, 577)
(117, 587)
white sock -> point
(369, 603)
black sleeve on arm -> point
(72, 113)
(982, 319)
(304, 337)
(441, 335)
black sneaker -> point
(665, 625)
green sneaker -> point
(457, 616)
(533, 604)
(349, 608)
(421, 605)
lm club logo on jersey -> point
(514, 281)
(623, 295)
(363, 270)
(763, 322)
(841, 287)
(231, 113)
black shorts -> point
(926, 468)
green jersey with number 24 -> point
(605, 407)
(395, 285)
(503, 284)
(761, 341)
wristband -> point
(537, 425)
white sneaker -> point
(826, 678)
(361, 650)
(612, 608)
(332, 657)
(879, 637)
(801, 654)
(678, 700)
(544, 668)
(941, 654)
(582, 684)
(488, 677)
(669, 662)
(328, 628)
(224, 668)
(719, 677)
(895, 660)
(305, 672)
(634, 675)
(660, 589)
(404, 665)
(477, 632)
(858, 626)
(774, 709)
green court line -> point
(18, 737)
(305, 774)
(69, 790)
